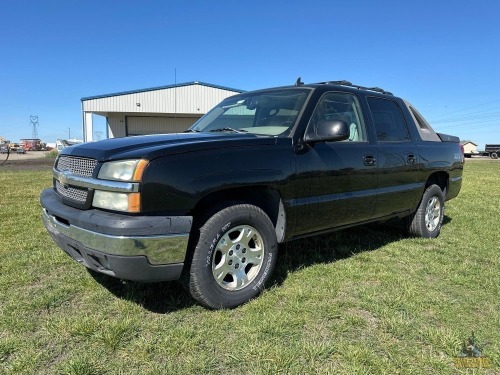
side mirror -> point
(328, 131)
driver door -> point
(336, 181)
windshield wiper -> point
(191, 131)
(229, 130)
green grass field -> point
(362, 301)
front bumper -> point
(140, 248)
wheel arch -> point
(440, 179)
(266, 198)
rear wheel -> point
(233, 257)
(427, 220)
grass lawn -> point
(366, 300)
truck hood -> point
(154, 146)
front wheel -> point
(427, 220)
(233, 257)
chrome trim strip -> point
(67, 178)
(161, 249)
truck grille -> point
(71, 192)
(82, 167)
(78, 166)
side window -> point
(344, 107)
(388, 119)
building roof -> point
(162, 88)
(464, 142)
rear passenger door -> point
(398, 187)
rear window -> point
(420, 120)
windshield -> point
(271, 113)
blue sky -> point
(442, 56)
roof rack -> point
(347, 83)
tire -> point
(426, 222)
(232, 258)
(494, 155)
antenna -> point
(34, 125)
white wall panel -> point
(116, 125)
(158, 125)
(190, 99)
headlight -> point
(123, 170)
(127, 202)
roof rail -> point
(347, 83)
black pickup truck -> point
(209, 206)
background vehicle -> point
(63, 143)
(14, 146)
(492, 150)
(33, 144)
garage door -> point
(158, 125)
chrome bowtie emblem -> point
(63, 178)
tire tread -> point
(416, 222)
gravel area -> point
(35, 160)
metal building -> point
(164, 109)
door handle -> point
(370, 160)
